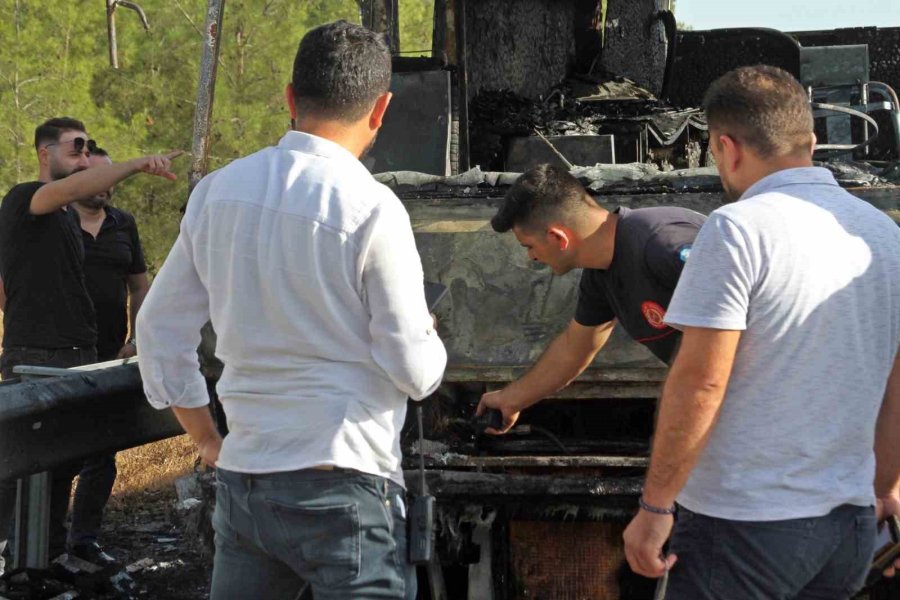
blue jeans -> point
(823, 558)
(342, 532)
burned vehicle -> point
(611, 91)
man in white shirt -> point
(309, 272)
(787, 376)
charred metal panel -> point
(416, 131)
(526, 46)
(634, 42)
(702, 57)
(503, 309)
(883, 43)
(467, 486)
(528, 152)
(826, 66)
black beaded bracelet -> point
(655, 509)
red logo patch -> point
(654, 313)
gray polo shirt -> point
(811, 275)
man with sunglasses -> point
(48, 317)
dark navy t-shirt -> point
(651, 247)
(109, 259)
(42, 266)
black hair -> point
(50, 130)
(540, 195)
(340, 70)
(763, 107)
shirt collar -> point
(111, 215)
(312, 144)
(786, 177)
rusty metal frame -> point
(206, 87)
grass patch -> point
(152, 467)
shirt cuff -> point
(680, 321)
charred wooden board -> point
(468, 485)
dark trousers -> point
(343, 533)
(822, 558)
(62, 476)
(95, 484)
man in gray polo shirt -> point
(787, 376)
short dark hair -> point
(49, 131)
(340, 70)
(98, 151)
(543, 194)
(763, 107)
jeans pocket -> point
(323, 540)
(865, 528)
(221, 519)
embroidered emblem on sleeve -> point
(654, 313)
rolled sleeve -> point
(404, 342)
(717, 282)
(168, 330)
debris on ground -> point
(159, 558)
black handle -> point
(490, 418)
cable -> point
(853, 113)
(550, 436)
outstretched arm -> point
(565, 358)
(87, 183)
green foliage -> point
(54, 61)
(416, 24)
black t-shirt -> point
(652, 245)
(41, 263)
(109, 259)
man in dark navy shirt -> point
(631, 261)
(116, 278)
(114, 268)
(48, 317)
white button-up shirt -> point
(309, 272)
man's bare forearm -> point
(692, 397)
(90, 182)
(562, 361)
(138, 286)
(83, 184)
(887, 439)
(197, 423)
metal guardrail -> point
(55, 420)
(65, 416)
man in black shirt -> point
(631, 261)
(114, 272)
(48, 316)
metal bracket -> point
(32, 539)
(481, 574)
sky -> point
(788, 15)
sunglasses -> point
(79, 144)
